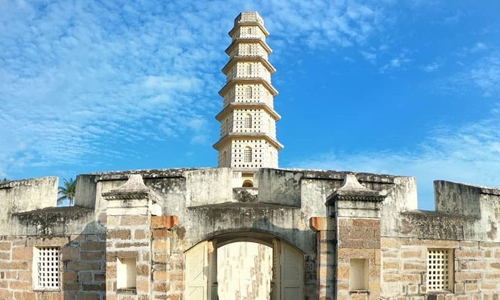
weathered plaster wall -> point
(463, 212)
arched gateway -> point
(286, 280)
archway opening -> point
(251, 265)
(244, 271)
(247, 183)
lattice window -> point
(46, 268)
(247, 154)
(248, 92)
(248, 121)
(439, 269)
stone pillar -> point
(128, 246)
(357, 213)
(325, 266)
(167, 267)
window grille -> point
(248, 121)
(247, 154)
(47, 264)
(248, 92)
(439, 267)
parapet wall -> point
(463, 212)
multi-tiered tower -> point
(248, 119)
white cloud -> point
(482, 75)
(470, 154)
(432, 67)
(369, 56)
(79, 77)
(479, 47)
(395, 63)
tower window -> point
(247, 154)
(249, 69)
(248, 92)
(248, 121)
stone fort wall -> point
(160, 217)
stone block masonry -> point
(475, 269)
(82, 267)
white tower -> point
(248, 119)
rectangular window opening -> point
(359, 273)
(46, 268)
(439, 270)
(126, 273)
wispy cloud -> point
(432, 67)
(483, 75)
(79, 78)
(470, 154)
(395, 63)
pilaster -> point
(129, 240)
(357, 214)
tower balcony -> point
(263, 75)
(242, 62)
(248, 40)
(248, 80)
(248, 136)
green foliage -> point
(67, 192)
(5, 179)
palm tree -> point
(67, 191)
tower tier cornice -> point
(248, 80)
(248, 41)
(248, 23)
(260, 59)
(247, 135)
(247, 105)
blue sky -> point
(398, 87)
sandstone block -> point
(120, 234)
(165, 222)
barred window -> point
(248, 121)
(248, 92)
(247, 154)
(46, 267)
(439, 269)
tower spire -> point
(248, 119)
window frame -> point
(247, 155)
(38, 283)
(447, 257)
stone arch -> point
(247, 183)
(287, 266)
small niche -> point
(126, 273)
(247, 183)
(358, 278)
